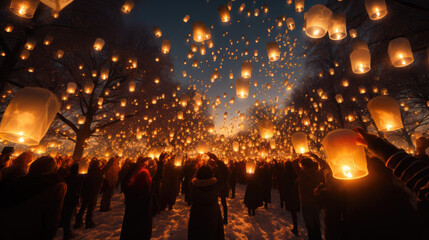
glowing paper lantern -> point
(199, 32)
(178, 160)
(83, 166)
(157, 31)
(386, 113)
(127, 6)
(56, 5)
(242, 86)
(290, 23)
(266, 128)
(24, 8)
(299, 5)
(246, 70)
(98, 44)
(71, 87)
(339, 98)
(353, 33)
(250, 167)
(376, 9)
(186, 18)
(317, 21)
(180, 115)
(224, 13)
(132, 86)
(400, 53)
(360, 60)
(88, 87)
(337, 27)
(28, 116)
(345, 156)
(299, 142)
(235, 146)
(81, 120)
(166, 45)
(273, 51)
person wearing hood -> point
(31, 207)
(18, 169)
(205, 218)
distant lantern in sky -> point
(127, 6)
(250, 166)
(266, 128)
(28, 116)
(224, 13)
(242, 86)
(353, 33)
(166, 45)
(48, 40)
(400, 52)
(246, 70)
(186, 18)
(299, 5)
(339, 98)
(273, 51)
(88, 86)
(81, 120)
(376, 9)
(60, 54)
(386, 113)
(290, 23)
(300, 142)
(337, 27)
(56, 5)
(71, 87)
(132, 86)
(98, 44)
(24, 8)
(30, 44)
(317, 22)
(345, 156)
(235, 146)
(360, 61)
(199, 32)
(157, 31)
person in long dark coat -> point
(252, 196)
(289, 187)
(90, 190)
(205, 219)
(71, 201)
(137, 223)
(267, 183)
(31, 208)
(189, 172)
(110, 172)
(169, 185)
(220, 171)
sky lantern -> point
(290, 23)
(71, 87)
(273, 144)
(360, 61)
(88, 86)
(100, 101)
(386, 113)
(180, 115)
(246, 70)
(299, 142)
(199, 32)
(132, 86)
(339, 98)
(337, 27)
(299, 5)
(30, 44)
(273, 51)
(166, 45)
(81, 120)
(60, 54)
(56, 5)
(318, 20)
(250, 166)
(104, 73)
(210, 128)
(178, 160)
(330, 117)
(157, 31)
(83, 166)
(8, 28)
(400, 52)
(127, 6)
(376, 9)
(353, 33)
(242, 6)
(235, 146)
(98, 44)
(186, 18)
(242, 86)
(345, 156)
(28, 116)
(203, 147)
(24, 8)
(266, 128)
(224, 13)
(123, 102)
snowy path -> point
(271, 223)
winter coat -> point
(169, 185)
(267, 183)
(205, 220)
(137, 223)
(308, 181)
(288, 187)
(32, 208)
(221, 174)
(253, 196)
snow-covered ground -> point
(271, 223)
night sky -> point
(169, 14)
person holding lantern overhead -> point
(205, 218)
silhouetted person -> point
(31, 208)
(17, 170)
(90, 190)
(232, 169)
(288, 184)
(5, 156)
(169, 185)
(267, 183)
(110, 178)
(220, 171)
(205, 218)
(253, 196)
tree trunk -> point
(82, 134)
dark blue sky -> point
(169, 14)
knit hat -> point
(204, 172)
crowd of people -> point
(392, 202)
